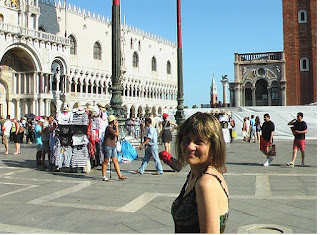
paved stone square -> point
(262, 199)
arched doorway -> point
(18, 66)
(261, 93)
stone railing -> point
(21, 31)
(33, 9)
(259, 56)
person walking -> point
(6, 134)
(231, 124)
(267, 129)
(203, 203)
(38, 140)
(299, 131)
(252, 129)
(151, 149)
(166, 132)
(109, 148)
(258, 128)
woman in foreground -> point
(203, 203)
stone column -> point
(18, 109)
(25, 83)
(11, 107)
(224, 82)
(48, 106)
(34, 106)
(41, 85)
(58, 81)
(253, 90)
(18, 83)
(283, 95)
(41, 107)
(236, 96)
(269, 96)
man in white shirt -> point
(6, 133)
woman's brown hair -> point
(208, 128)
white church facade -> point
(53, 55)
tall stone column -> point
(179, 116)
(116, 97)
(224, 82)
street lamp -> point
(180, 113)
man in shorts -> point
(299, 131)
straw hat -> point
(89, 107)
(102, 106)
(111, 118)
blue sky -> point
(212, 31)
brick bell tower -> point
(300, 48)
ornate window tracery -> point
(73, 42)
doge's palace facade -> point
(52, 55)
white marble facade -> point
(51, 56)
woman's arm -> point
(17, 127)
(117, 128)
(208, 205)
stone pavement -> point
(262, 199)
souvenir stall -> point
(71, 146)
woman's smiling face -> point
(195, 149)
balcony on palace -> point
(31, 33)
